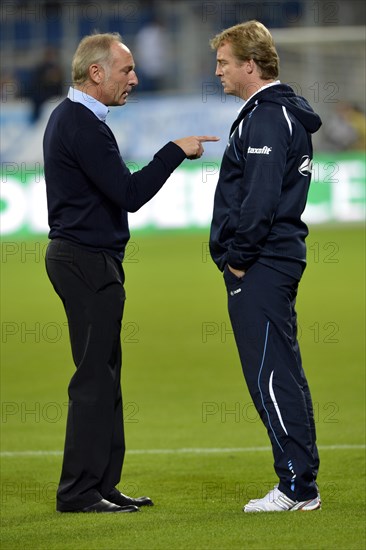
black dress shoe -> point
(105, 506)
(122, 500)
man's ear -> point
(249, 66)
(96, 73)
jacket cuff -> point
(238, 263)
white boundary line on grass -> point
(194, 450)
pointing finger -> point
(208, 138)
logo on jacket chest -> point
(260, 151)
(306, 165)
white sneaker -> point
(273, 493)
(269, 496)
(276, 501)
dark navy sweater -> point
(263, 184)
(89, 187)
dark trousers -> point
(262, 313)
(90, 285)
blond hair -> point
(94, 48)
(251, 40)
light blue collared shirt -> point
(99, 109)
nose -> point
(218, 71)
(134, 80)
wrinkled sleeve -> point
(98, 156)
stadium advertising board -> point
(337, 194)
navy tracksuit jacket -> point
(257, 227)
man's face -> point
(119, 78)
(231, 72)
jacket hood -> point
(297, 105)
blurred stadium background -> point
(322, 51)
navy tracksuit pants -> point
(262, 312)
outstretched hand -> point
(192, 145)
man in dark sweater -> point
(258, 240)
(89, 192)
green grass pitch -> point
(194, 442)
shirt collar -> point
(99, 109)
(257, 92)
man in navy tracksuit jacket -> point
(258, 240)
(89, 192)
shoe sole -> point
(306, 506)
